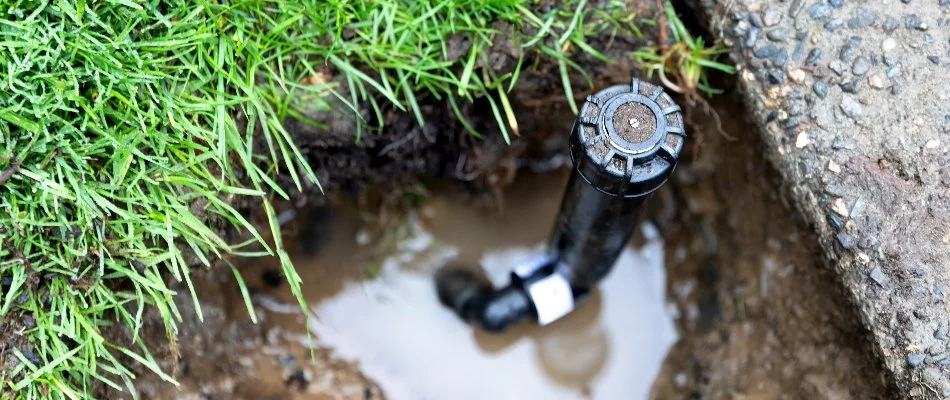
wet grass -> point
(684, 65)
(128, 129)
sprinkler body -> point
(624, 145)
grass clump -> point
(683, 66)
(128, 128)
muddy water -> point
(380, 310)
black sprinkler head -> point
(625, 144)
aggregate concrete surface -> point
(852, 99)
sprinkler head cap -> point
(627, 139)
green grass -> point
(129, 127)
(683, 66)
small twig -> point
(11, 169)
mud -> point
(226, 356)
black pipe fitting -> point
(624, 146)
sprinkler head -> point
(627, 139)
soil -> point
(634, 123)
(227, 356)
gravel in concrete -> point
(882, 119)
(861, 66)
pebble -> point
(801, 36)
(752, 37)
(834, 24)
(846, 240)
(813, 57)
(878, 276)
(837, 67)
(928, 39)
(890, 24)
(837, 3)
(911, 21)
(796, 75)
(839, 207)
(820, 89)
(777, 35)
(919, 272)
(802, 140)
(889, 61)
(850, 107)
(863, 17)
(833, 166)
(893, 71)
(771, 16)
(905, 1)
(848, 50)
(819, 11)
(941, 332)
(934, 59)
(781, 58)
(795, 8)
(888, 44)
(835, 221)
(741, 28)
(776, 76)
(767, 51)
(876, 81)
(795, 109)
(923, 26)
(850, 86)
(861, 66)
(792, 123)
(897, 89)
(755, 20)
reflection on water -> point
(610, 348)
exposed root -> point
(695, 99)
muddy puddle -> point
(394, 326)
(375, 313)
